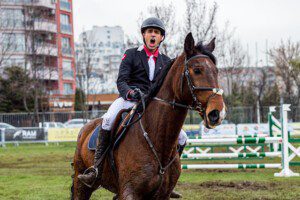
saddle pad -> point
(92, 144)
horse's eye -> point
(197, 71)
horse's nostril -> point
(214, 116)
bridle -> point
(196, 104)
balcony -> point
(45, 25)
(66, 6)
(44, 49)
(39, 3)
(54, 92)
(45, 3)
(48, 73)
(66, 29)
(68, 92)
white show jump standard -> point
(231, 166)
(256, 140)
(230, 155)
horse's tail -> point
(72, 188)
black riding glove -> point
(134, 95)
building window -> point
(65, 24)
(11, 18)
(68, 89)
(65, 5)
(64, 19)
(66, 46)
(67, 69)
(12, 42)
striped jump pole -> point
(230, 155)
(232, 166)
(228, 136)
(222, 141)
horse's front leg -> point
(127, 193)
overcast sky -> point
(255, 20)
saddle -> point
(121, 120)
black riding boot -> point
(174, 194)
(181, 148)
(95, 172)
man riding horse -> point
(132, 79)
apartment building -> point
(99, 49)
(38, 35)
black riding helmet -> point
(153, 22)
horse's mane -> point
(200, 47)
(161, 77)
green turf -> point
(43, 172)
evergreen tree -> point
(79, 100)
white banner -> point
(250, 129)
(222, 130)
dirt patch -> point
(219, 185)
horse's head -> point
(198, 85)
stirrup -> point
(87, 171)
(91, 168)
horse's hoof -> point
(175, 195)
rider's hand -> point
(134, 95)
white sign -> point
(223, 129)
(250, 129)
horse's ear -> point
(211, 45)
(189, 45)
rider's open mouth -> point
(152, 41)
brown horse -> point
(190, 82)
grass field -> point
(43, 172)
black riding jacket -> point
(134, 71)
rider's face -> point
(152, 37)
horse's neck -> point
(163, 121)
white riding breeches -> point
(110, 116)
(182, 137)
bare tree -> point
(165, 12)
(286, 60)
(39, 50)
(231, 57)
(200, 19)
(8, 43)
(85, 55)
